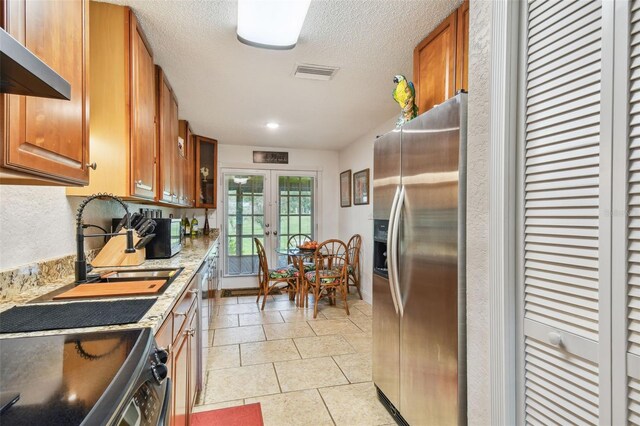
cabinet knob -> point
(555, 338)
(93, 165)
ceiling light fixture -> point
(271, 24)
(273, 125)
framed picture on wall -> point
(345, 188)
(361, 187)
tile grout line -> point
(275, 372)
(341, 370)
(326, 406)
(297, 348)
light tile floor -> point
(303, 371)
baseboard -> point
(367, 296)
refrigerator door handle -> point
(394, 250)
(390, 251)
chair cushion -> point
(280, 273)
(308, 266)
(311, 276)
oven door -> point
(144, 409)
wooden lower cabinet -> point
(181, 378)
(178, 335)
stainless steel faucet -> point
(81, 260)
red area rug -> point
(243, 415)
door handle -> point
(394, 249)
(390, 239)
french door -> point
(271, 205)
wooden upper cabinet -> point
(185, 132)
(167, 145)
(462, 48)
(206, 171)
(172, 159)
(434, 61)
(123, 106)
(46, 141)
(440, 61)
(143, 115)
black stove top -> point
(57, 380)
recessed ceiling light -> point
(273, 125)
(271, 24)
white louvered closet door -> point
(633, 222)
(562, 192)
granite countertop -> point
(193, 253)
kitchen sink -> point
(138, 274)
(121, 277)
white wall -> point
(357, 156)
(478, 364)
(38, 223)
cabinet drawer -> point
(182, 311)
(164, 336)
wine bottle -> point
(206, 230)
(186, 226)
(194, 226)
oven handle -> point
(163, 419)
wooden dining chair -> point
(296, 241)
(331, 259)
(353, 270)
(268, 279)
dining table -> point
(298, 256)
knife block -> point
(112, 254)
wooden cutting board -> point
(125, 288)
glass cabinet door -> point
(206, 171)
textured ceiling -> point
(229, 91)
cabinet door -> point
(462, 48)
(165, 131)
(177, 178)
(49, 138)
(564, 252)
(194, 367)
(434, 65)
(206, 164)
(143, 115)
(190, 166)
(181, 361)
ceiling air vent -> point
(315, 72)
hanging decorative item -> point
(204, 172)
(404, 94)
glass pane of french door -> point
(244, 214)
(296, 207)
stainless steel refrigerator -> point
(419, 350)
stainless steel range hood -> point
(23, 73)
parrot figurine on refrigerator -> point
(404, 94)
